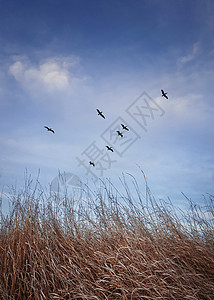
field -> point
(106, 245)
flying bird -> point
(49, 129)
(164, 94)
(91, 163)
(109, 148)
(100, 114)
(119, 133)
(125, 127)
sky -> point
(60, 60)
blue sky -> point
(61, 60)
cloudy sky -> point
(60, 60)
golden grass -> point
(106, 248)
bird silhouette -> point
(119, 133)
(164, 94)
(100, 114)
(49, 129)
(109, 148)
(124, 127)
(91, 163)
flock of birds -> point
(124, 127)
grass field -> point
(105, 246)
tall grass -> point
(106, 245)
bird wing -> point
(124, 127)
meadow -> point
(107, 245)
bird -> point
(109, 148)
(125, 127)
(49, 129)
(100, 114)
(164, 94)
(119, 133)
(91, 163)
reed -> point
(106, 245)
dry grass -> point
(107, 246)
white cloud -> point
(196, 49)
(56, 74)
(190, 106)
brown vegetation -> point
(108, 246)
